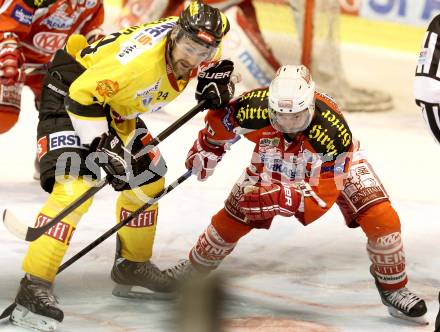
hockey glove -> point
(118, 163)
(263, 202)
(203, 157)
(11, 60)
(215, 86)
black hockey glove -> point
(215, 86)
(119, 163)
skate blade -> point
(137, 292)
(23, 317)
(398, 314)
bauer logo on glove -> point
(263, 202)
(215, 86)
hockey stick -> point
(8, 311)
(27, 233)
(132, 216)
(115, 228)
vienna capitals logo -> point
(147, 94)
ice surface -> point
(291, 278)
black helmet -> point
(204, 23)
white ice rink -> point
(290, 278)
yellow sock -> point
(137, 237)
(45, 254)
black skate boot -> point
(36, 305)
(403, 303)
(127, 275)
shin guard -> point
(45, 254)
(388, 261)
(210, 249)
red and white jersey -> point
(43, 26)
(321, 155)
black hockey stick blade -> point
(8, 311)
(27, 233)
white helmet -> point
(291, 99)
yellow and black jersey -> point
(128, 73)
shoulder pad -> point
(39, 3)
(328, 133)
(251, 109)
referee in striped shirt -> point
(427, 81)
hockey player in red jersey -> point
(305, 160)
(30, 33)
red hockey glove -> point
(263, 202)
(203, 157)
(11, 60)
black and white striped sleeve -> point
(431, 114)
(427, 80)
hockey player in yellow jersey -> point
(88, 119)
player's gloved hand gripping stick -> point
(132, 216)
(7, 312)
(27, 233)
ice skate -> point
(182, 271)
(403, 304)
(36, 306)
(140, 280)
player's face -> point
(188, 54)
(290, 123)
